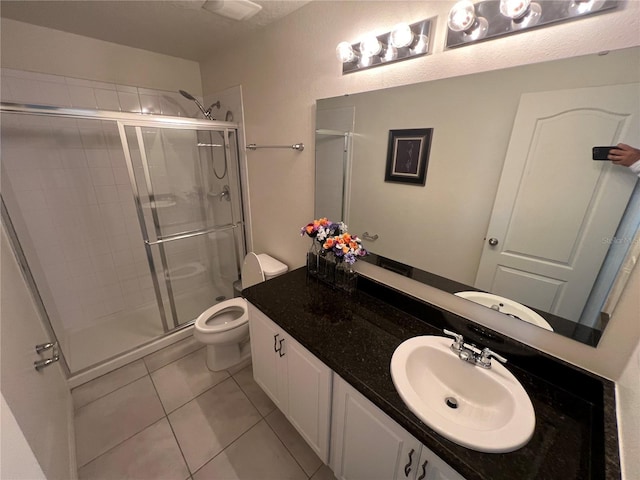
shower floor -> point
(115, 334)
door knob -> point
(493, 242)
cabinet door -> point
(309, 382)
(366, 444)
(267, 368)
(431, 467)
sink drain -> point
(451, 402)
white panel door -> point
(40, 401)
(555, 207)
(309, 382)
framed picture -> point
(408, 155)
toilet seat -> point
(252, 272)
(223, 316)
(224, 327)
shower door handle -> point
(45, 362)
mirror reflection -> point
(513, 204)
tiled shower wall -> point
(70, 181)
(28, 87)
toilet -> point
(224, 328)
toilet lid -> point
(252, 273)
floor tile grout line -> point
(109, 393)
(146, 367)
(174, 360)
(196, 395)
(287, 448)
(175, 437)
(229, 445)
(116, 389)
(248, 398)
(263, 417)
(193, 398)
(120, 443)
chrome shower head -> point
(205, 112)
(187, 95)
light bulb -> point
(580, 7)
(462, 16)
(421, 44)
(345, 53)
(401, 36)
(523, 13)
(370, 46)
(390, 54)
(514, 9)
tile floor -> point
(168, 417)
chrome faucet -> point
(468, 352)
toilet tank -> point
(270, 266)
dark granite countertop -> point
(355, 335)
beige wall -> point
(38, 49)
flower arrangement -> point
(322, 229)
(334, 238)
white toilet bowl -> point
(224, 327)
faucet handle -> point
(459, 339)
(487, 355)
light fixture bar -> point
(420, 44)
(540, 14)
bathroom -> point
(278, 98)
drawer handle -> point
(407, 467)
(424, 470)
(277, 345)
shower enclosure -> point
(129, 225)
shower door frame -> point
(141, 120)
(206, 125)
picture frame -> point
(408, 156)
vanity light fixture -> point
(469, 22)
(403, 42)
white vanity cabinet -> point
(368, 445)
(297, 382)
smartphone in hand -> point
(601, 153)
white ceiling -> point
(178, 28)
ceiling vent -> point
(235, 9)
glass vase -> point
(327, 268)
(346, 277)
(313, 258)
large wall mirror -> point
(513, 204)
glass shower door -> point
(189, 207)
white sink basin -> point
(493, 414)
(506, 306)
